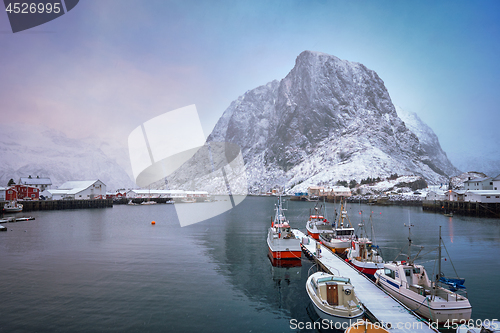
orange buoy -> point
(153, 222)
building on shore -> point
(42, 183)
(27, 192)
(8, 193)
(484, 196)
(77, 190)
(141, 193)
(479, 184)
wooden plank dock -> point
(380, 306)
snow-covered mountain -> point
(34, 150)
(428, 140)
(327, 120)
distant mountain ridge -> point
(327, 120)
(38, 151)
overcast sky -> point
(107, 66)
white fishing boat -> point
(318, 223)
(281, 242)
(411, 284)
(363, 255)
(342, 236)
(334, 298)
(131, 203)
(13, 207)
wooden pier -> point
(481, 209)
(380, 306)
(32, 205)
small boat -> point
(13, 207)
(485, 328)
(148, 203)
(188, 200)
(131, 203)
(366, 327)
(281, 242)
(448, 214)
(317, 223)
(334, 298)
(341, 237)
(363, 255)
(411, 285)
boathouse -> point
(78, 190)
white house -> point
(484, 196)
(496, 183)
(41, 183)
(456, 195)
(78, 190)
(3, 191)
(478, 184)
(436, 195)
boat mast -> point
(439, 257)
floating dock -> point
(380, 306)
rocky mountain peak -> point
(328, 119)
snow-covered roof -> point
(51, 191)
(477, 180)
(497, 178)
(483, 192)
(35, 181)
(74, 187)
(157, 191)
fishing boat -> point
(366, 327)
(281, 242)
(363, 255)
(132, 203)
(334, 298)
(317, 223)
(411, 284)
(13, 207)
(342, 236)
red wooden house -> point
(27, 192)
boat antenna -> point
(409, 240)
(439, 257)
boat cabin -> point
(335, 290)
(413, 277)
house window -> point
(487, 197)
(34, 190)
(32, 195)
(497, 197)
(10, 192)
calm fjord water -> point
(110, 270)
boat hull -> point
(431, 310)
(340, 314)
(314, 235)
(367, 268)
(280, 248)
